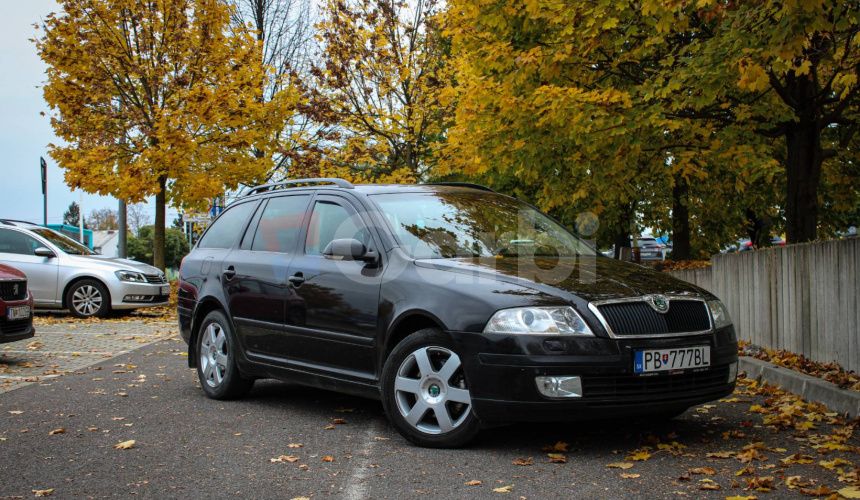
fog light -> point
(733, 373)
(135, 298)
(559, 387)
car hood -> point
(115, 263)
(594, 279)
(9, 272)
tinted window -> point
(15, 242)
(224, 230)
(331, 221)
(281, 224)
(449, 225)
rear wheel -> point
(425, 394)
(88, 299)
(216, 360)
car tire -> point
(425, 394)
(88, 299)
(216, 360)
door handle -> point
(229, 272)
(297, 279)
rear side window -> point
(18, 243)
(281, 224)
(227, 227)
(331, 221)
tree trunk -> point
(158, 234)
(681, 249)
(621, 236)
(804, 157)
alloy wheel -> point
(213, 355)
(430, 390)
(87, 300)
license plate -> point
(165, 290)
(18, 312)
(658, 360)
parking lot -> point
(87, 387)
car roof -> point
(18, 223)
(367, 189)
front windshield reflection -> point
(63, 242)
(468, 225)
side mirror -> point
(349, 249)
(44, 252)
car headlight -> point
(563, 320)
(719, 314)
(133, 276)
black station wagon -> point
(457, 306)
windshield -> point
(63, 242)
(450, 225)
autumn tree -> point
(155, 98)
(380, 71)
(137, 217)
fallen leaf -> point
(620, 465)
(557, 458)
(523, 461)
(339, 421)
(57, 431)
(327, 458)
(125, 445)
(16, 412)
(817, 492)
(625, 475)
(721, 454)
(295, 445)
(710, 471)
(557, 447)
(329, 428)
(44, 493)
(503, 489)
(474, 482)
(850, 492)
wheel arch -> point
(204, 307)
(407, 323)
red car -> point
(16, 306)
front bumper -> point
(126, 295)
(16, 329)
(501, 371)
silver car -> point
(62, 273)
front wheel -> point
(216, 360)
(88, 299)
(425, 394)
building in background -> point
(106, 242)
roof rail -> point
(276, 185)
(11, 222)
(462, 184)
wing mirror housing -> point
(44, 252)
(349, 249)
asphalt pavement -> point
(59, 437)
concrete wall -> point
(802, 298)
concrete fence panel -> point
(802, 298)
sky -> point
(25, 134)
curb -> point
(808, 387)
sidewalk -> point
(67, 347)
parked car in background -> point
(62, 273)
(650, 249)
(457, 306)
(16, 306)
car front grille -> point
(654, 388)
(639, 318)
(13, 290)
(14, 326)
(155, 278)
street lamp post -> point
(44, 169)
